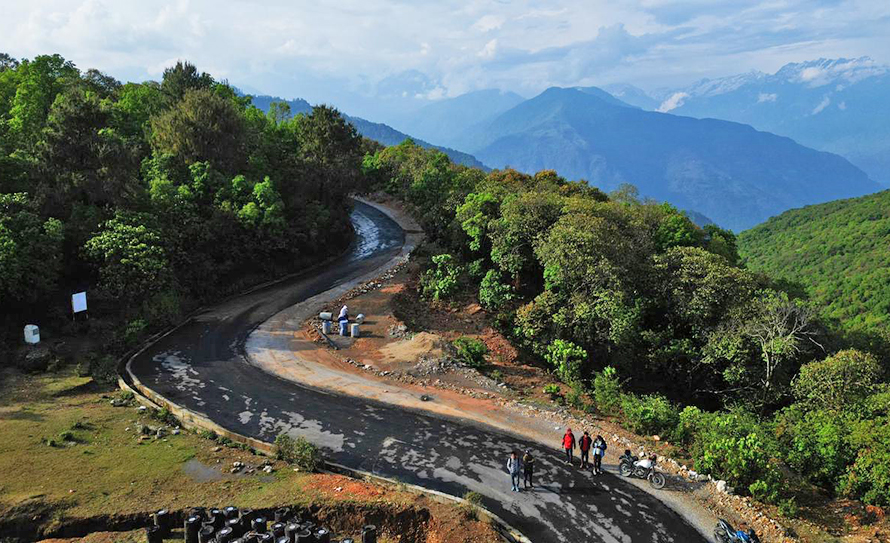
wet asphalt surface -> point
(202, 366)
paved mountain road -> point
(201, 366)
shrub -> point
(868, 478)
(104, 369)
(731, 446)
(689, 424)
(493, 294)
(164, 415)
(577, 398)
(788, 507)
(566, 359)
(552, 390)
(476, 269)
(470, 352)
(839, 382)
(441, 281)
(298, 452)
(163, 308)
(470, 506)
(607, 391)
(134, 331)
(649, 415)
(816, 444)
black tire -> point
(720, 536)
(657, 480)
(625, 469)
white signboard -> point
(79, 302)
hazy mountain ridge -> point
(730, 172)
(836, 105)
(379, 132)
(445, 120)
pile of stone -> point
(231, 525)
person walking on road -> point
(528, 469)
(568, 444)
(584, 445)
(599, 451)
(514, 466)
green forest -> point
(651, 319)
(839, 252)
(156, 197)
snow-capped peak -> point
(817, 73)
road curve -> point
(202, 366)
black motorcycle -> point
(725, 533)
(628, 468)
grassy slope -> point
(111, 472)
(839, 251)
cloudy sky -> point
(356, 53)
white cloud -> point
(489, 50)
(489, 23)
(822, 105)
(673, 102)
(767, 97)
(340, 50)
(842, 106)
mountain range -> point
(837, 105)
(733, 174)
(379, 132)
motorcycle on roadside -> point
(629, 467)
(725, 533)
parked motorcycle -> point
(628, 468)
(725, 533)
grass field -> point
(67, 453)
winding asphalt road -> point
(202, 366)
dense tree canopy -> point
(154, 195)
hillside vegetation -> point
(156, 196)
(649, 318)
(839, 252)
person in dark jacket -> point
(599, 451)
(528, 469)
(584, 446)
(568, 444)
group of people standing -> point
(523, 469)
(586, 444)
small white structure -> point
(354, 330)
(326, 315)
(326, 327)
(360, 318)
(32, 334)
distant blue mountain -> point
(836, 105)
(445, 120)
(730, 172)
(379, 132)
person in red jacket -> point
(568, 443)
(584, 445)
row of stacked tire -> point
(231, 525)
